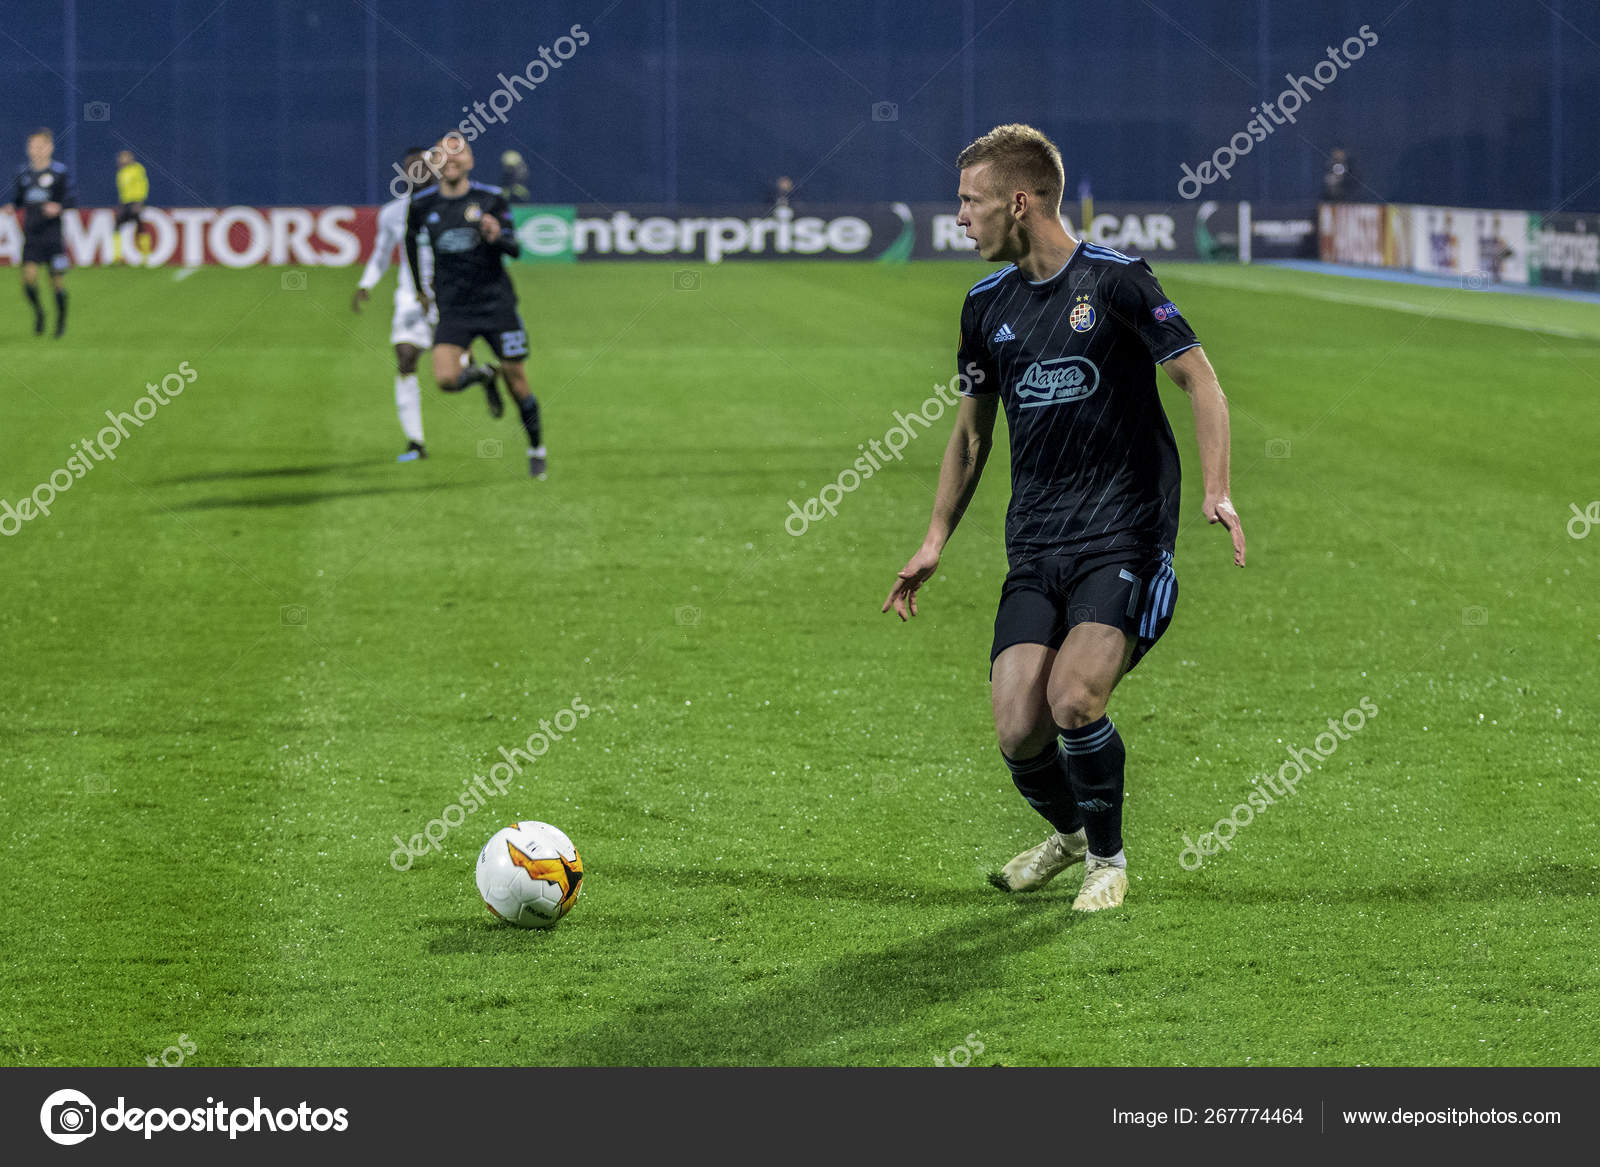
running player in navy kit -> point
(43, 191)
(469, 230)
(1067, 337)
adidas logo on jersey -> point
(1003, 333)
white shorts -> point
(411, 326)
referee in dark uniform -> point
(43, 191)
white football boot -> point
(1037, 866)
(1104, 886)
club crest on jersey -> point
(472, 212)
(1057, 381)
(1082, 316)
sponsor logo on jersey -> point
(1057, 381)
(1082, 316)
(1165, 311)
(455, 239)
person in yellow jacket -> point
(133, 188)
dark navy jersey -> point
(469, 279)
(1093, 463)
(35, 188)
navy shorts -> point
(1133, 589)
(45, 248)
(504, 333)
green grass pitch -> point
(244, 656)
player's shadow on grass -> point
(756, 1012)
(1550, 879)
(302, 498)
(777, 1017)
(265, 472)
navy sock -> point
(529, 407)
(1043, 782)
(32, 292)
(61, 308)
(474, 375)
(1095, 758)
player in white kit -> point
(411, 333)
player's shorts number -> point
(514, 344)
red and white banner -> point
(227, 236)
(1350, 233)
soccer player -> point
(43, 191)
(1067, 337)
(133, 189)
(469, 229)
(410, 332)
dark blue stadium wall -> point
(1467, 102)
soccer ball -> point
(529, 875)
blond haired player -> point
(1068, 335)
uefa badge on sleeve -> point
(1082, 316)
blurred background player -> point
(1339, 179)
(514, 177)
(43, 191)
(411, 332)
(469, 229)
(133, 188)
